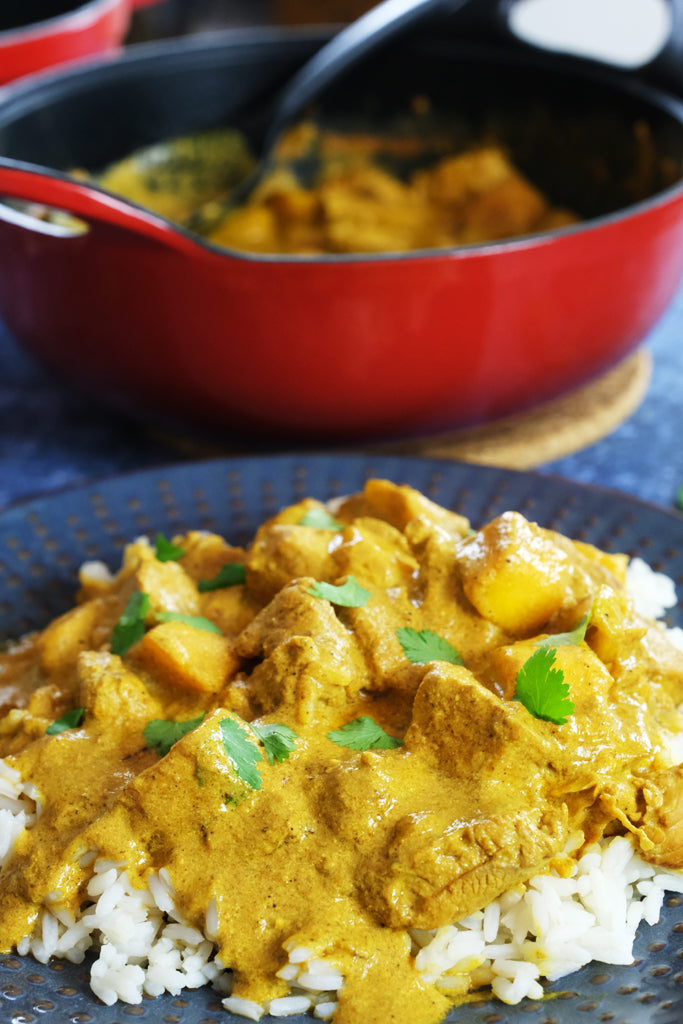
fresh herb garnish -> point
(424, 645)
(679, 498)
(197, 621)
(242, 752)
(364, 733)
(71, 720)
(131, 626)
(574, 636)
(321, 519)
(541, 688)
(349, 594)
(161, 734)
(166, 551)
(228, 576)
(278, 741)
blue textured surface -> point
(644, 456)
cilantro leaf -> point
(197, 621)
(161, 734)
(321, 519)
(242, 752)
(71, 720)
(349, 594)
(166, 551)
(131, 626)
(278, 741)
(425, 645)
(364, 733)
(541, 688)
(228, 576)
(574, 636)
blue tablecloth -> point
(50, 438)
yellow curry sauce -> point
(342, 850)
(364, 194)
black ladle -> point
(351, 44)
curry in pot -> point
(339, 192)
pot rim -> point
(59, 22)
(19, 95)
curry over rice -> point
(370, 721)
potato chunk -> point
(513, 574)
(190, 658)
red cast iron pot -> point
(46, 34)
(163, 325)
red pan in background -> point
(35, 34)
(332, 349)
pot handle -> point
(666, 69)
(490, 19)
(84, 202)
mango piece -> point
(399, 504)
(581, 669)
(613, 626)
(514, 575)
(187, 657)
(65, 638)
(169, 587)
(615, 563)
(374, 550)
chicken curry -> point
(339, 192)
(326, 735)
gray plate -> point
(42, 543)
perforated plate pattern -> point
(42, 543)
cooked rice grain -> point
(553, 926)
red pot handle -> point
(87, 203)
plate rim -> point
(176, 467)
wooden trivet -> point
(550, 431)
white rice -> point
(143, 947)
(652, 592)
(546, 929)
(19, 809)
(550, 927)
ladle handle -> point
(88, 204)
(378, 26)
